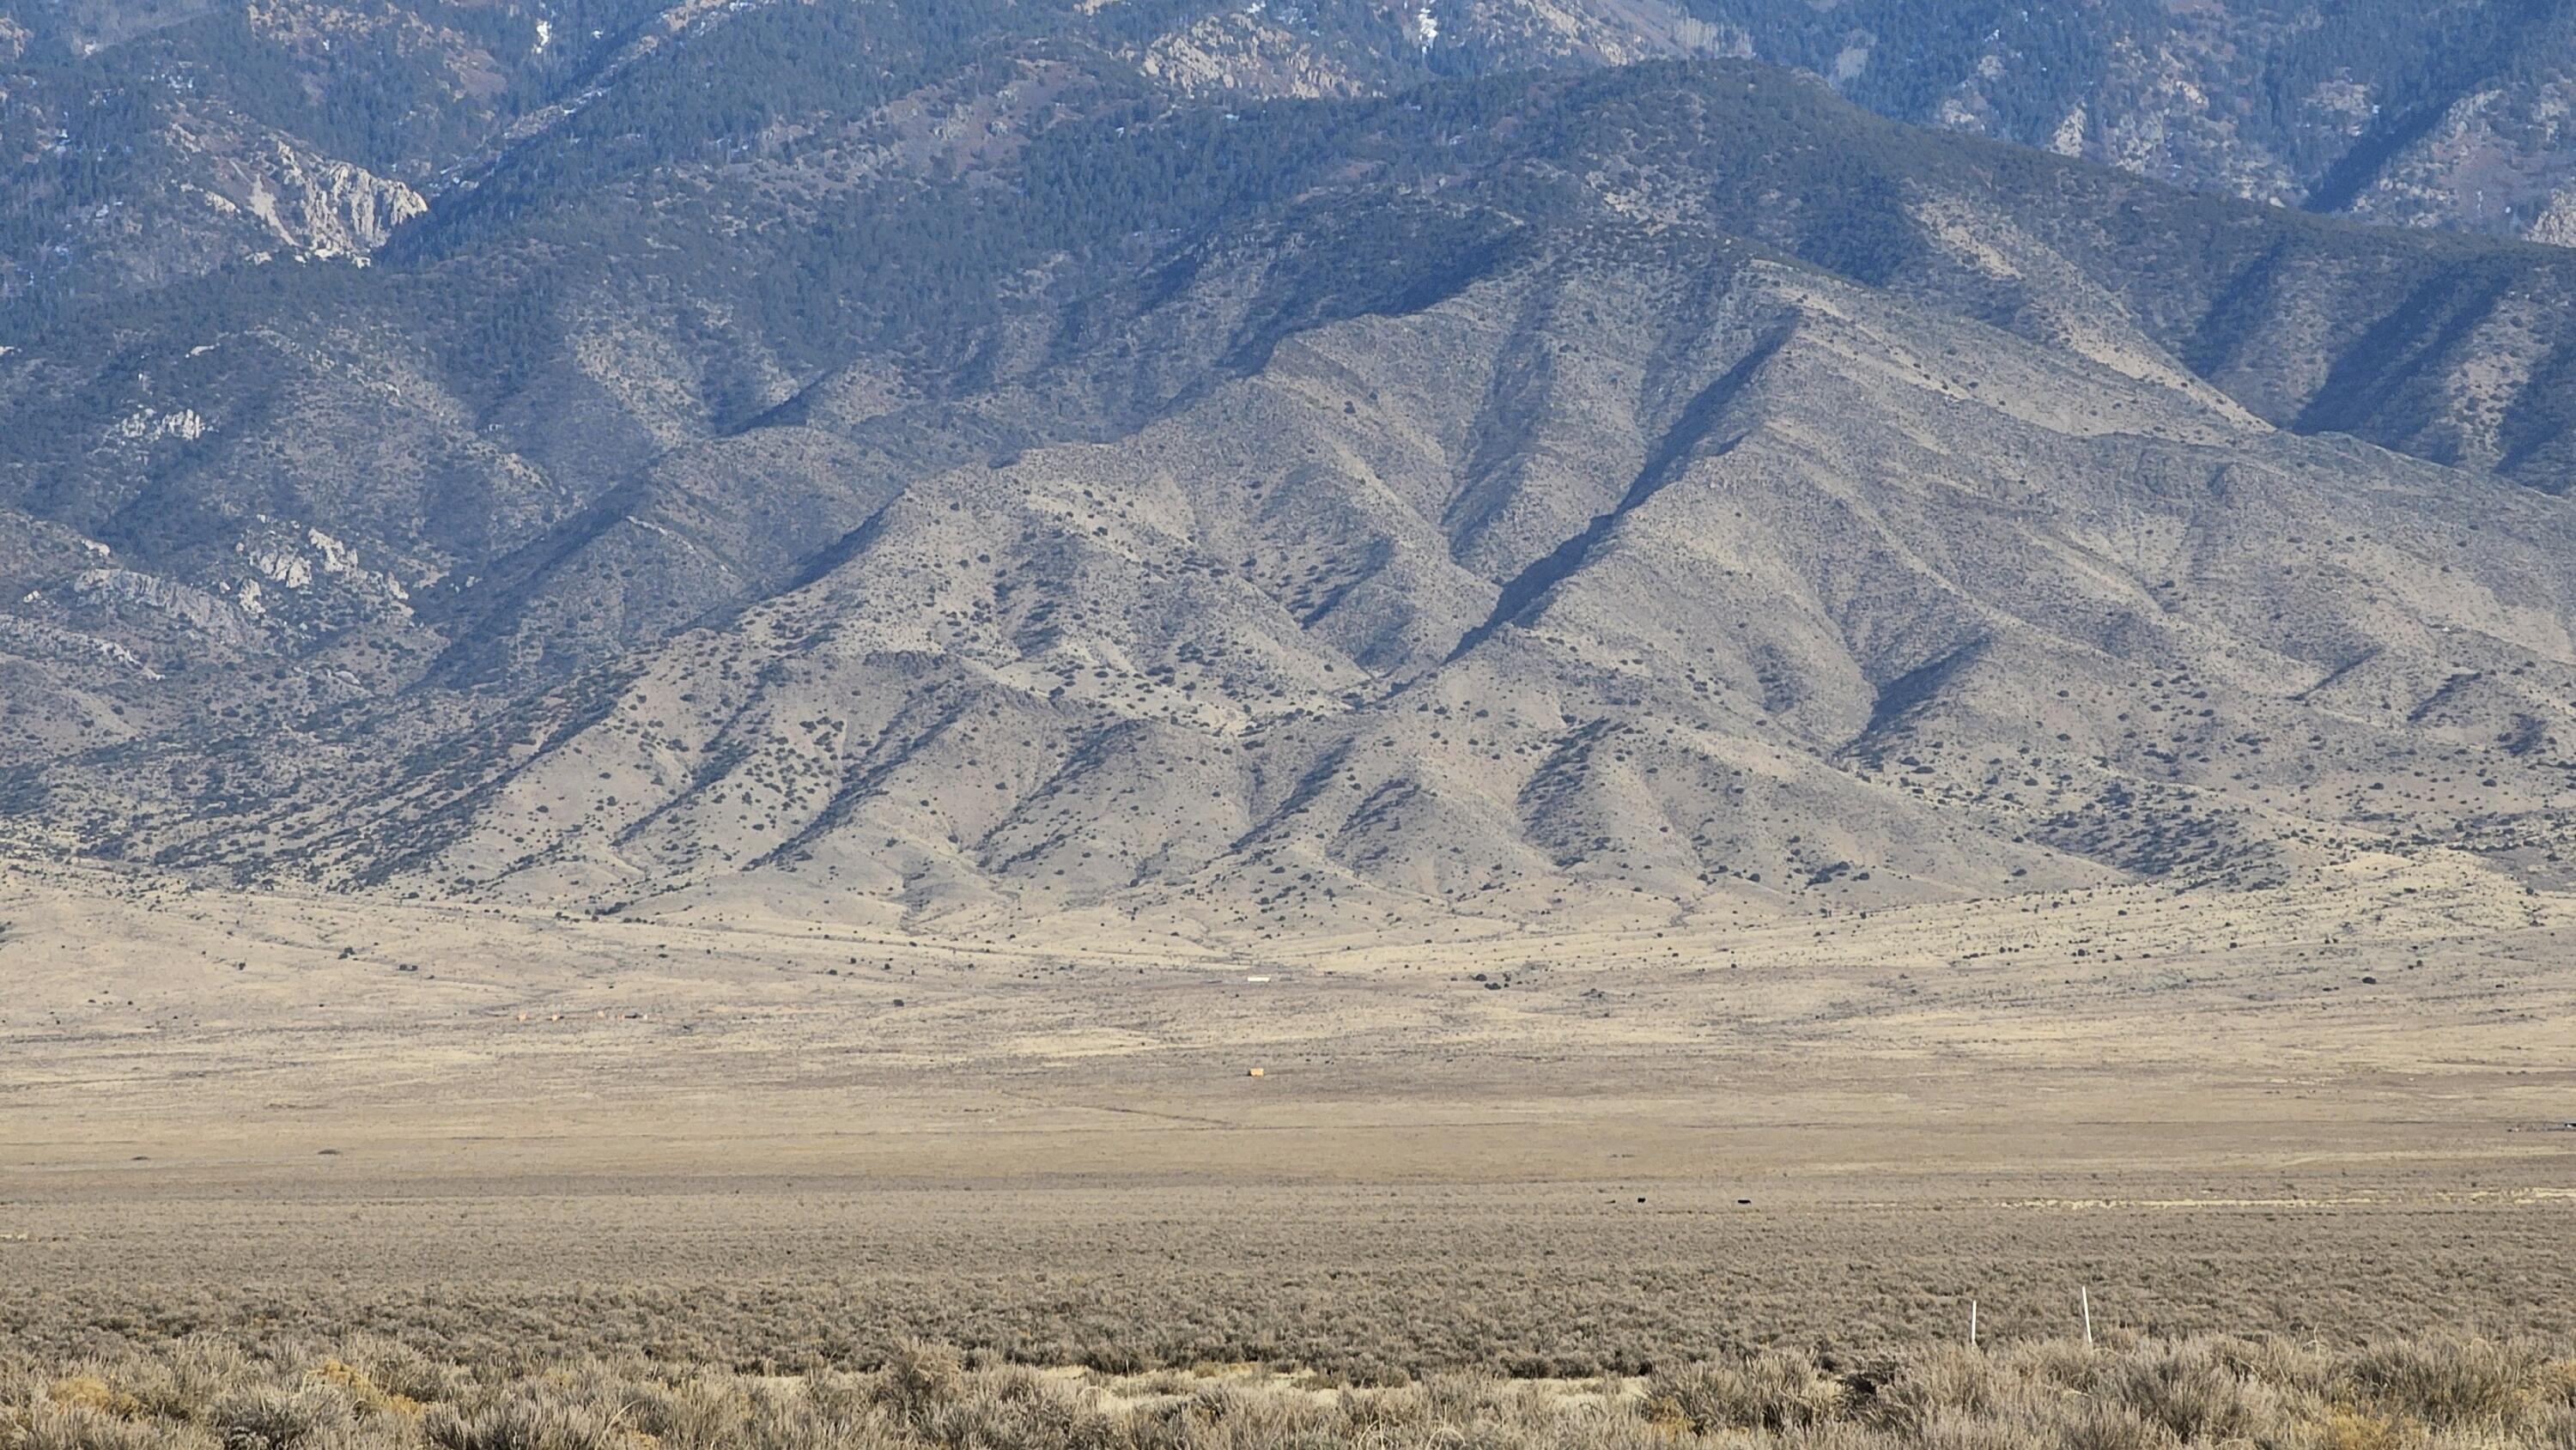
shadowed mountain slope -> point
(1620, 498)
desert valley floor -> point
(2332, 1109)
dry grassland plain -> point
(2333, 1112)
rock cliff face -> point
(293, 202)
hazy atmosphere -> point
(1247, 724)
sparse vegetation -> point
(1012, 723)
(1127, 644)
(373, 1394)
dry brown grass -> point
(373, 1394)
(256, 1180)
(1370, 1284)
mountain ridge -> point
(122, 113)
(1560, 498)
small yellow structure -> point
(1254, 1072)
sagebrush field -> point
(370, 1174)
(368, 1394)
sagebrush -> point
(366, 1393)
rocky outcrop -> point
(34, 639)
(303, 202)
(123, 589)
(287, 559)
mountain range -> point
(1283, 469)
(152, 140)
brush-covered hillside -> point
(972, 481)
